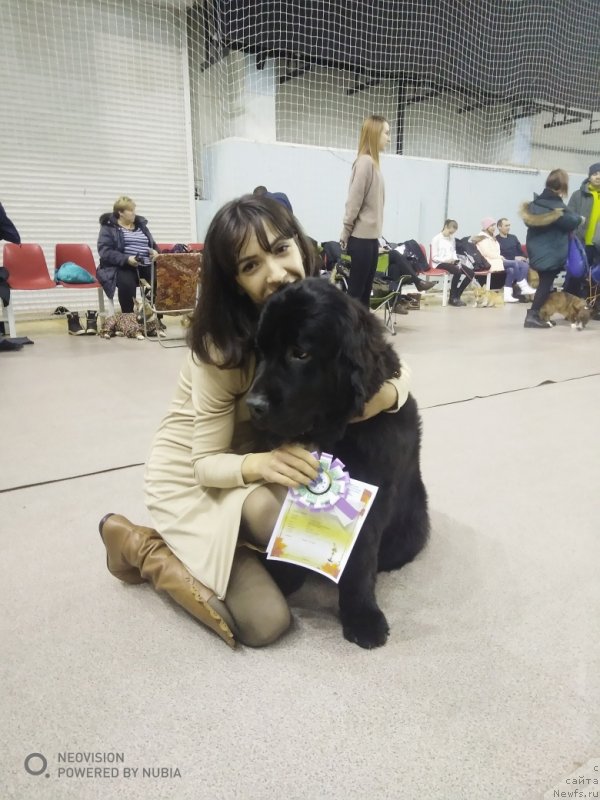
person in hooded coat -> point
(549, 223)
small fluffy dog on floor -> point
(121, 324)
(154, 326)
(131, 325)
(486, 298)
(572, 308)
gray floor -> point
(489, 686)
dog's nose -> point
(258, 405)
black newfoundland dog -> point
(322, 355)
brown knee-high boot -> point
(135, 554)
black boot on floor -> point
(75, 328)
(91, 323)
(456, 301)
(532, 320)
(401, 306)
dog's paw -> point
(367, 628)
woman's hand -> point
(289, 465)
(386, 398)
(153, 254)
(132, 261)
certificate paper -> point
(317, 530)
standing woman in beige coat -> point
(213, 498)
(363, 217)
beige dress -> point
(193, 484)
(194, 488)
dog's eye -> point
(297, 354)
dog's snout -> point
(258, 405)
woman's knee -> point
(266, 628)
(260, 611)
(260, 512)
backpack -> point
(466, 248)
(412, 251)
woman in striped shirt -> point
(126, 249)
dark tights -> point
(456, 286)
(127, 283)
(544, 288)
(363, 254)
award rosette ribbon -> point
(329, 490)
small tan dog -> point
(486, 298)
(573, 309)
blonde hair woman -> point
(126, 247)
(363, 217)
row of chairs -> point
(388, 302)
(446, 277)
(28, 270)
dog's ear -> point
(367, 358)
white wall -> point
(93, 106)
(420, 193)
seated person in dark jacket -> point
(399, 264)
(126, 249)
(510, 246)
(11, 234)
(7, 228)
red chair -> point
(28, 270)
(81, 255)
(27, 266)
(196, 247)
(164, 248)
(448, 278)
(434, 272)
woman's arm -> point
(107, 250)
(288, 465)
(214, 395)
(489, 248)
(360, 180)
(390, 398)
(569, 221)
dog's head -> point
(321, 356)
(141, 308)
(582, 315)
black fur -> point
(322, 355)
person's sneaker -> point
(74, 325)
(508, 295)
(456, 302)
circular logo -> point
(321, 484)
(32, 769)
